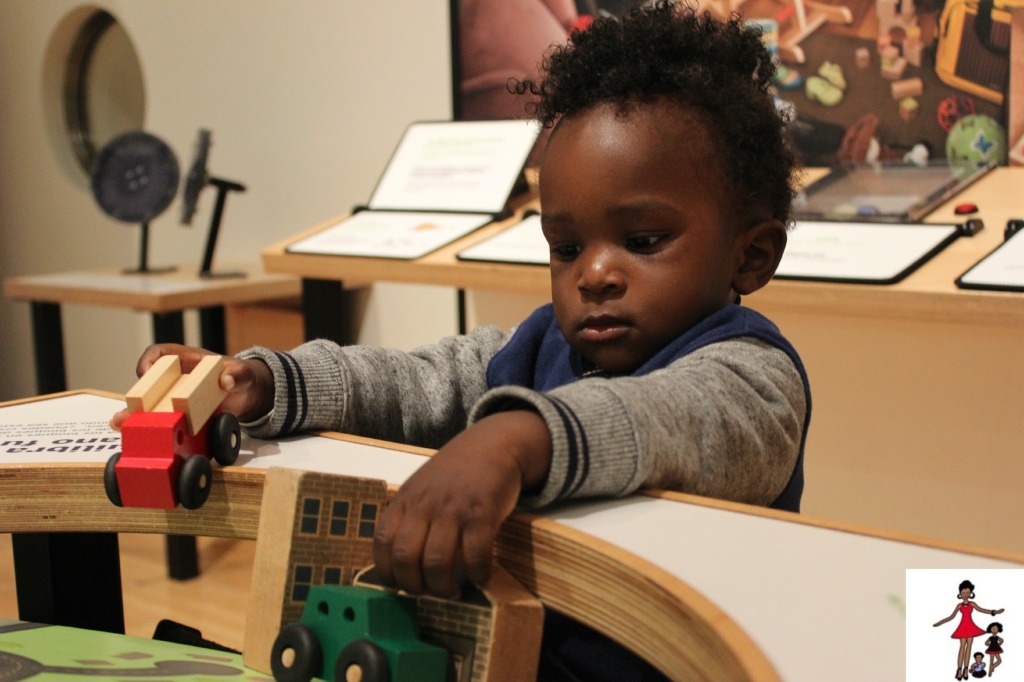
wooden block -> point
(912, 51)
(888, 54)
(151, 387)
(862, 57)
(910, 87)
(271, 565)
(198, 393)
(894, 70)
(292, 533)
(517, 622)
(909, 109)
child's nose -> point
(599, 271)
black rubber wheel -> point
(366, 656)
(194, 481)
(296, 656)
(225, 437)
(110, 480)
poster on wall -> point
(864, 80)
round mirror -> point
(103, 94)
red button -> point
(964, 209)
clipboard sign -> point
(864, 253)
(522, 243)
(1003, 268)
(444, 180)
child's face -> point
(643, 245)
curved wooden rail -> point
(649, 611)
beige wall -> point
(305, 101)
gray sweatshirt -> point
(725, 421)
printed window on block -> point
(302, 582)
(339, 518)
(310, 521)
(332, 575)
(367, 520)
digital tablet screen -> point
(884, 192)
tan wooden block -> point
(270, 568)
(145, 395)
(517, 622)
(894, 70)
(909, 87)
(198, 393)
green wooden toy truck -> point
(366, 635)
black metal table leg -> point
(323, 311)
(69, 579)
(48, 338)
(211, 329)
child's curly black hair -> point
(721, 71)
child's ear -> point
(758, 252)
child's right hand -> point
(249, 383)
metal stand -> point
(223, 187)
(144, 268)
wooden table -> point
(915, 385)
(929, 293)
(165, 296)
(703, 589)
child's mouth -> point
(602, 329)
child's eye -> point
(644, 242)
(565, 251)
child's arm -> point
(422, 397)
(725, 421)
(249, 383)
(447, 514)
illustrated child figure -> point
(666, 191)
(994, 646)
(978, 667)
(966, 631)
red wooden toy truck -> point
(168, 439)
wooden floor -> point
(215, 602)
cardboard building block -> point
(198, 394)
(151, 386)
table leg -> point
(48, 338)
(324, 313)
(71, 579)
(211, 329)
(182, 556)
(64, 578)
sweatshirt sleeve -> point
(725, 421)
(422, 397)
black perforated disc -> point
(196, 179)
(135, 177)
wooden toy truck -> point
(349, 632)
(168, 439)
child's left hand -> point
(447, 515)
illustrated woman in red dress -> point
(966, 631)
